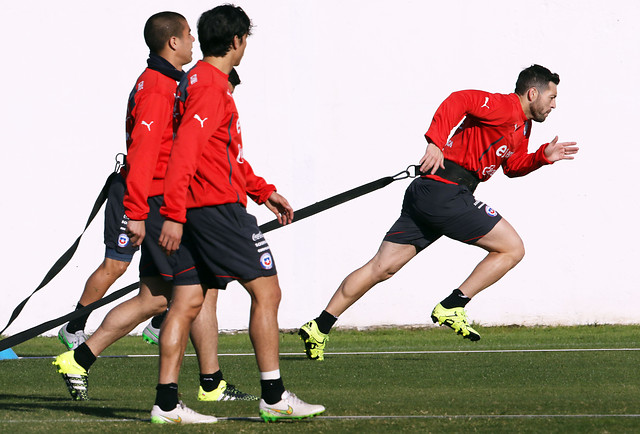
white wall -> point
(336, 94)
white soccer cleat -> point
(180, 414)
(151, 335)
(71, 340)
(289, 407)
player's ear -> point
(236, 42)
(532, 93)
(173, 42)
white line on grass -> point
(366, 353)
(347, 417)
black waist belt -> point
(458, 174)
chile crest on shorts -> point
(266, 261)
(490, 211)
(123, 240)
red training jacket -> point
(149, 140)
(495, 132)
(207, 166)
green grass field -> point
(418, 380)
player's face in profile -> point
(185, 46)
(544, 103)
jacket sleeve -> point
(154, 109)
(490, 108)
(202, 115)
(257, 188)
(522, 163)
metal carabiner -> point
(121, 161)
(416, 171)
(412, 171)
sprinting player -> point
(150, 137)
(495, 132)
(151, 333)
(206, 186)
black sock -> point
(78, 323)
(325, 321)
(167, 396)
(156, 321)
(83, 356)
(210, 382)
(272, 390)
(455, 299)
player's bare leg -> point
(276, 402)
(263, 323)
(389, 259)
(151, 300)
(204, 333)
(505, 249)
(102, 279)
(74, 365)
(186, 303)
(72, 334)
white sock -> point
(270, 375)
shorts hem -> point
(117, 256)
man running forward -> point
(494, 133)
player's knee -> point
(517, 252)
(159, 306)
(270, 297)
(115, 268)
(382, 273)
(379, 270)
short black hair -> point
(535, 76)
(218, 26)
(234, 78)
(160, 27)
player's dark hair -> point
(234, 78)
(161, 27)
(218, 26)
(535, 76)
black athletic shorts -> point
(115, 224)
(432, 208)
(179, 267)
(227, 245)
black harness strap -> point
(21, 337)
(308, 211)
(458, 174)
(410, 172)
(66, 257)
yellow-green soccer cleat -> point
(455, 318)
(225, 392)
(74, 375)
(314, 340)
(289, 407)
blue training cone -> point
(8, 354)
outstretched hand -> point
(432, 159)
(556, 151)
(280, 207)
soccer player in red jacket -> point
(149, 127)
(206, 187)
(493, 132)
